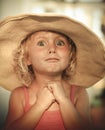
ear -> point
(28, 60)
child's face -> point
(49, 52)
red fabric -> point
(51, 120)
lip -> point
(53, 59)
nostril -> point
(52, 51)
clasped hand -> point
(50, 93)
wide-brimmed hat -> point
(90, 51)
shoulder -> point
(79, 90)
(80, 93)
(17, 94)
(17, 91)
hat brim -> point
(90, 50)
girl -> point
(46, 104)
(55, 62)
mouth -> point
(52, 59)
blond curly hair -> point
(25, 72)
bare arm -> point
(74, 117)
(17, 120)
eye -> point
(60, 43)
(41, 43)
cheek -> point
(66, 57)
(35, 57)
(65, 52)
(31, 57)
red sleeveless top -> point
(50, 120)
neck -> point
(41, 80)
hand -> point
(56, 87)
(45, 98)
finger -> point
(50, 87)
(53, 100)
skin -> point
(48, 91)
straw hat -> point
(90, 50)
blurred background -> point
(89, 12)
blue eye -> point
(41, 43)
(60, 43)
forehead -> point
(47, 33)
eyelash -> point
(44, 43)
(62, 43)
(41, 42)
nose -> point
(52, 48)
